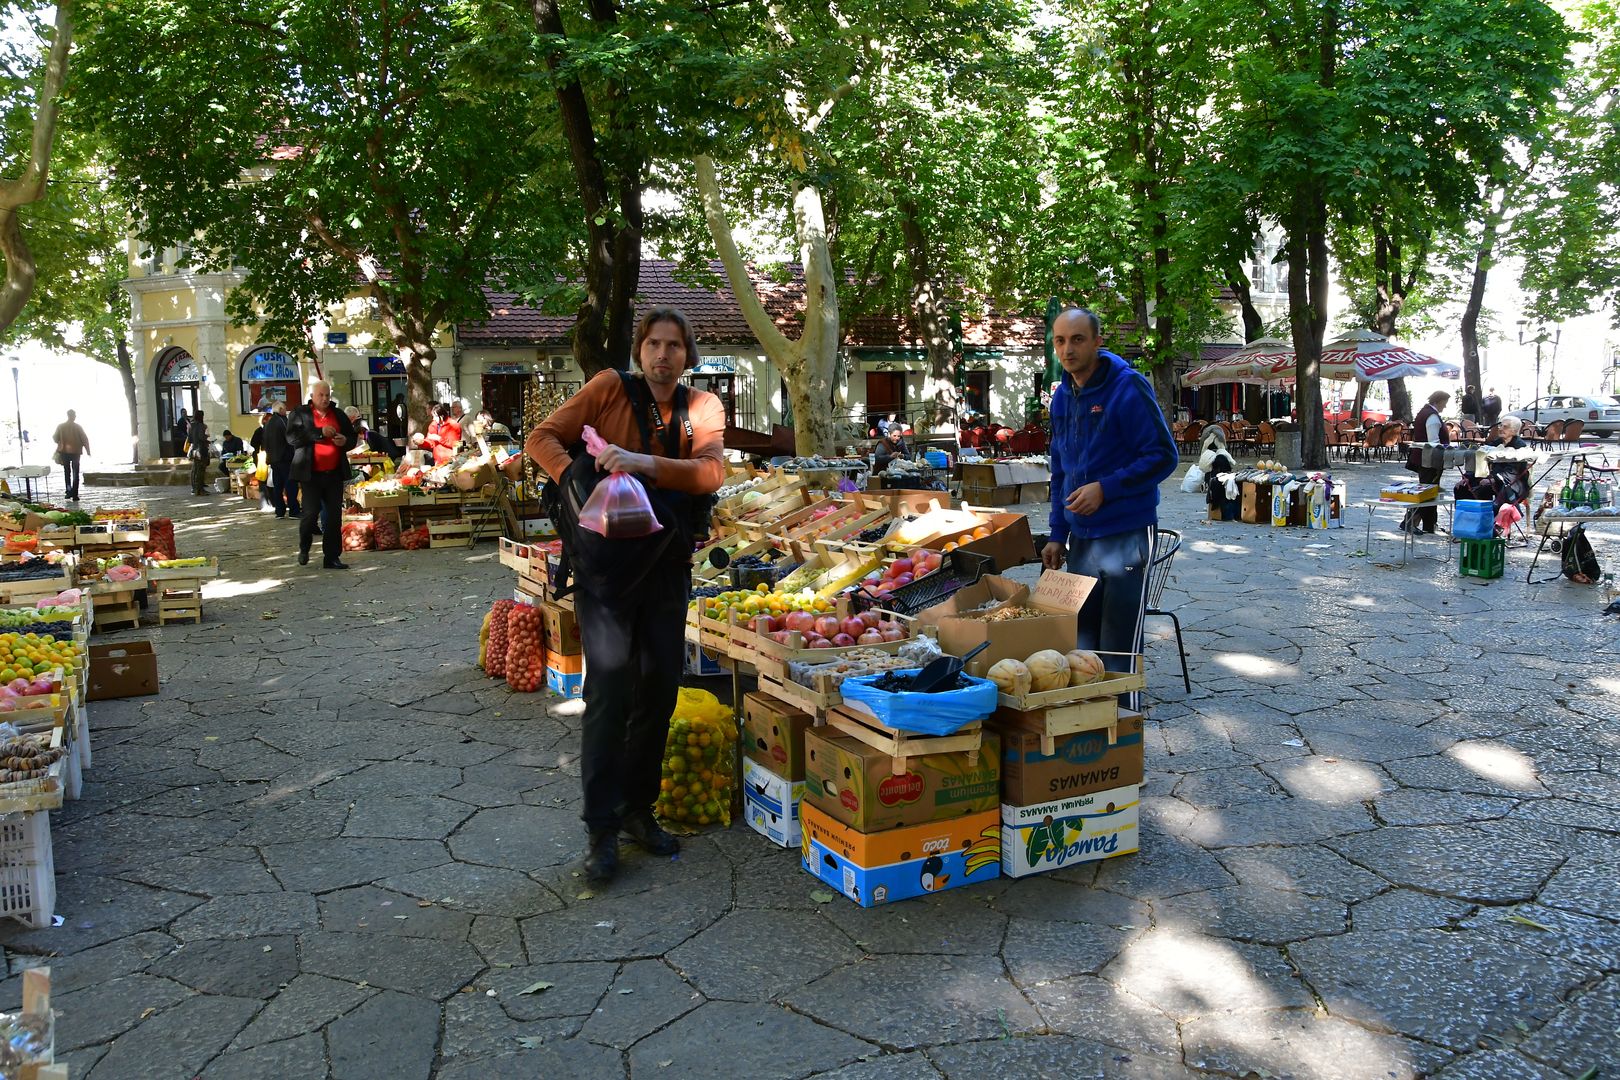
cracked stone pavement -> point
(1381, 838)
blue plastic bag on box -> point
(1475, 520)
(943, 713)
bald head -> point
(1076, 337)
(320, 394)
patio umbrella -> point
(1264, 360)
(1372, 357)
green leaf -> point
(536, 988)
(822, 896)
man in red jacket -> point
(633, 643)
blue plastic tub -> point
(1475, 520)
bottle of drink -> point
(1594, 496)
(1563, 495)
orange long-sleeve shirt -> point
(602, 404)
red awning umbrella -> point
(1371, 357)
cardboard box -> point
(1083, 763)
(697, 662)
(567, 663)
(771, 804)
(1085, 828)
(128, 669)
(855, 784)
(562, 629)
(1060, 595)
(1255, 503)
(564, 684)
(1010, 542)
(773, 733)
(1004, 495)
(880, 868)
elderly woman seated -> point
(1506, 482)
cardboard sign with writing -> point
(855, 784)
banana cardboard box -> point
(1084, 828)
(855, 784)
(880, 868)
(1081, 763)
(771, 804)
(774, 734)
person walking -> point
(319, 434)
(1110, 451)
(1427, 461)
(71, 443)
(1470, 405)
(633, 634)
(1490, 409)
(199, 453)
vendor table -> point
(1564, 521)
(1409, 537)
(27, 474)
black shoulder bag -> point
(612, 571)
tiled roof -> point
(718, 321)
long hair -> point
(665, 314)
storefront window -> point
(268, 374)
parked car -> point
(1601, 415)
(1345, 409)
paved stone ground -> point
(1379, 840)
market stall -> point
(827, 611)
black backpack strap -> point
(643, 407)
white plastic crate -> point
(27, 868)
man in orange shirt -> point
(632, 628)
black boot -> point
(602, 861)
(644, 829)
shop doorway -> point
(179, 381)
(885, 395)
(388, 407)
(503, 398)
(976, 392)
(723, 385)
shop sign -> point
(336, 337)
(716, 363)
(506, 369)
(270, 365)
(385, 365)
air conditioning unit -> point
(558, 363)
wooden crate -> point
(115, 607)
(24, 592)
(1104, 688)
(112, 532)
(515, 555)
(901, 746)
(772, 658)
(180, 601)
(448, 534)
(815, 701)
(208, 570)
(372, 500)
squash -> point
(1085, 666)
(1048, 670)
(1010, 676)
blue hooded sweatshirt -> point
(1109, 431)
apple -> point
(902, 581)
(843, 641)
(901, 567)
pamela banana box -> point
(880, 868)
(1082, 828)
(771, 804)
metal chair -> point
(1166, 542)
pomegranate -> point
(843, 641)
(870, 637)
(801, 621)
(827, 626)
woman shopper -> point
(444, 435)
(199, 453)
(318, 433)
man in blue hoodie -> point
(1110, 450)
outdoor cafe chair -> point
(1166, 542)
(1572, 432)
(1394, 438)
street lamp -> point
(16, 388)
(1541, 336)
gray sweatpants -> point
(1111, 620)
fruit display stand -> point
(27, 590)
(115, 604)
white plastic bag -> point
(1194, 480)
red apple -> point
(902, 581)
(901, 567)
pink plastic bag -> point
(618, 508)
